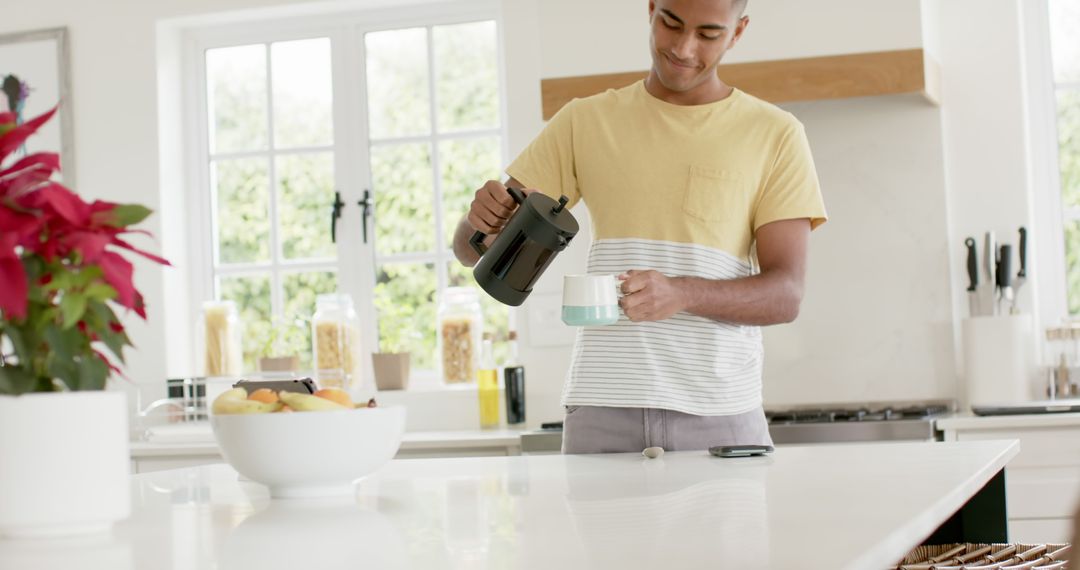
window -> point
(1064, 29)
(410, 115)
(270, 140)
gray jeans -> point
(597, 429)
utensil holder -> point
(999, 359)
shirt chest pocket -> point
(717, 195)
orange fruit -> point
(335, 395)
(264, 395)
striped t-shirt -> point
(680, 190)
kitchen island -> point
(846, 506)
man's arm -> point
(490, 208)
(770, 297)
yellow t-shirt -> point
(682, 190)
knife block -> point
(999, 359)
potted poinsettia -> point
(63, 277)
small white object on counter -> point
(572, 511)
(653, 452)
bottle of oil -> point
(488, 385)
(514, 383)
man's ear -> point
(739, 29)
(652, 8)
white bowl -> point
(309, 454)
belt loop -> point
(645, 426)
(663, 429)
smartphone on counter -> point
(740, 450)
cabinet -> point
(1042, 484)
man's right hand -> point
(491, 207)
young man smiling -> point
(702, 199)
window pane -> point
(1069, 145)
(1072, 263)
(236, 98)
(303, 93)
(397, 83)
(300, 292)
(1064, 30)
(251, 293)
(467, 80)
(404, 217)
(305, 195)
(405, 305)
(496, 314)
(466, 164)
(243, 211)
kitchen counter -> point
(426, 440)
(849, 506)
(968, 421)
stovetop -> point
(864, 421)
(857, 414)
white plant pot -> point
(64, 463)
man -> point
(684, 178)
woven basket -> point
(986, 556)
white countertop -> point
(199, 441)
(853, 506)
(971, 421)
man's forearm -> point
(763, 299)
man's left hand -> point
(650, 295)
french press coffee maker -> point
(538, 230)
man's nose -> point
(684, 47)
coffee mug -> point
(590, 300)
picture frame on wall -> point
(35, 76)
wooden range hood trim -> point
(785, 80)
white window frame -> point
(352, 169)
(1046, 250)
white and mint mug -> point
(590, 300)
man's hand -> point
(491, 207)
(650, 295)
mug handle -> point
(477, 239)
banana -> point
(308, 403)
(235, 402)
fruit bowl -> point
(309, 454)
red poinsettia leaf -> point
(140, 305)
(13, 288)
(17, 224)
(117, 272)
(63, 202)
(15, 137)
(7, 117)
(90, 245)
(145, 254)
(44, 160)
(28, 174)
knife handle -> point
(1023, 252)
(972, 264)
(1004, 270)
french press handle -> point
(477, 240)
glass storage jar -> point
(221, 339)
(460, 321)
(335, 340)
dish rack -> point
(987, 557)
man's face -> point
(690, 37)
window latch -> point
(366, 205)
(335, 214)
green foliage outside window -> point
(403, 179)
